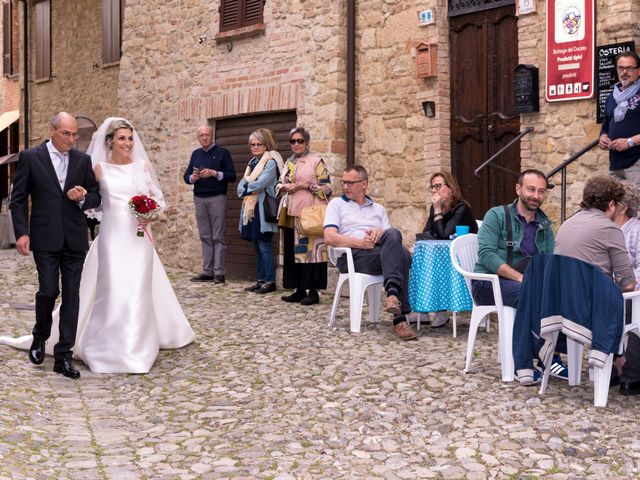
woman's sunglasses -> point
(299, 141)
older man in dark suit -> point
(61, 184)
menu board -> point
(606, 76)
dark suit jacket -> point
(54, 218)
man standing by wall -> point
(210, 171)
(620, 132)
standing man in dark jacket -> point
(61, 184)
(620, 132)
(210, 171)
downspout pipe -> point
(25, 72)
(351, 82)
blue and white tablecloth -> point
(434, 284)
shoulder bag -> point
(312, 218)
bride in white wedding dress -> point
(128, 309)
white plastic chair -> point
(464, 255)
(358, 284)
(599, 376)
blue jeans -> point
(483, 293)
(265, 266)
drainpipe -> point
(351, 82)
(25, 73)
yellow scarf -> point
(250, 201)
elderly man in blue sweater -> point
(210, 171)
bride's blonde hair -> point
(113, 128)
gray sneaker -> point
(418, 318)
(440, 319)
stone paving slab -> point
(267, 391)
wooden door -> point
(233, 134)
(484, 51)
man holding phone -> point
(210, 171)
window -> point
(43, 39)
(111, 33)
(240, 13)
(8, 56)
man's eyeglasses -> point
(350, 183)
(256, 145)
(436, 186)
(626, 69)
(299, 141)
(68, 135)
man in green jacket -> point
(531, 234)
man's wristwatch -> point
(630, 142)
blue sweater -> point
(567, 294)
(218, 159)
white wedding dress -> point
(128, 309)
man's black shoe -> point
(267, 288)
(36, 352)
(202, 278)
(629, 388)
(218, 279)
(65, 367)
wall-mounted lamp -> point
(429, 108)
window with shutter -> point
(7, 32)
(240, 13)
(43, 39)
(111, 31)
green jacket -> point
(492, 238)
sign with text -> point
(570, 48)
(606, 76)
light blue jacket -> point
(266, 182)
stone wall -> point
(80, 84)
(396, 142)
(178, 72)
(175, 76)
(563, 128)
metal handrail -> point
(563, 168)
(526, 131)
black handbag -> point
(270, 208)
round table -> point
(434, 284)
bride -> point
(128, 310)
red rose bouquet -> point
(144, 209)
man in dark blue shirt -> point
(210, 171)
(620, 132)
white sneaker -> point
(440, 319)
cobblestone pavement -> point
(267, 391)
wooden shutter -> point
(230, 15)
(43, 39)
(111, 33)
(240, 13)
(252, 12)
(6, 38)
